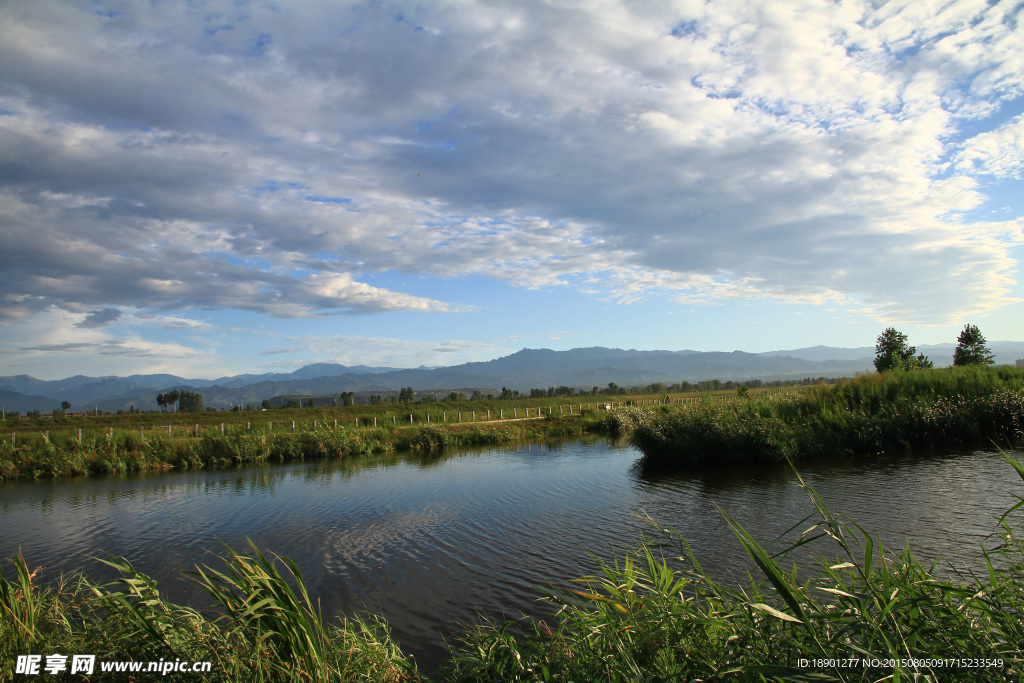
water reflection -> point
(431, 542)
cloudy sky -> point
(216, 187)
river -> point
(432, 543)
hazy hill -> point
(523, 370)
(23, 403)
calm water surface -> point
(431, 544)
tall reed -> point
(869, 414)
(269, 628)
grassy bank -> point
(120, 451)
(869, 414)
(653, 615)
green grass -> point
(267, 627)
(869, 414)
(128, 452)
(651, 615)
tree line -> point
(181, 400)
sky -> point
(209, 188)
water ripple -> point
(434, 544)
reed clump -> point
(869, 414)
(267, 628)
(624, 420)
(430, 438)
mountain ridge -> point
(522, 370)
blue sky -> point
(215, 187)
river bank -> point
(119, 451)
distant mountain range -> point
(523, 370)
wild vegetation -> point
(869, 414)
(862, 613)
(624, 420)
(61, 451)
(266, 626)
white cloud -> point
(999, 152)
(340, 291)
(273, 158)
(56, 341)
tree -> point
(892, 353)
(190, 401)
(348, 398)
(64, 405)
(406, 395)
(171, 398)
(612, 389)
(971, 348)
(161, 401)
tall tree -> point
(892, 353)
(171, 398)
(190, 401)
(971, 348)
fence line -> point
(426, 418)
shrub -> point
(429, 438)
